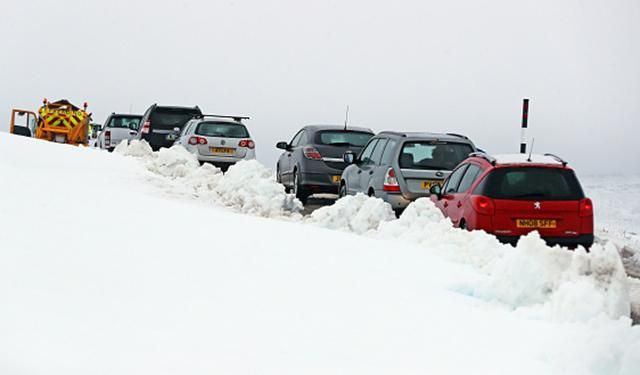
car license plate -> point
(536, 223)
(429, 183)
(335, 179)
(222, 150)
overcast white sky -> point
(461, 66)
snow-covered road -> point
(134, 262)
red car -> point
(512, 195)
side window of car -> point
(387, 156)
(365, 157)
(296, 140)
(377, 152)
(451, 186)
(470, 176)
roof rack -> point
(393, 133)
(557, 158)
(484, 156)
(457, 135)
(235, 118)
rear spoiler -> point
(233, 117)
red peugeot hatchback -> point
(512, 195)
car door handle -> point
(359, 171)
(459, 204)
(289, 155)
(446, 204)
(370, 172)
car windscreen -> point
(125, 122)
(169, 118)
(433, 154)
(531, 183)
(343, 138)
(222, 129)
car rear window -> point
(169, 118)
(343, 138)
(222, 129)
(433, 154)
(531, 183)
(126, 122)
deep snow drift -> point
(138, 262)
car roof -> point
(453, 137)
(217, 119)
(196, 108)
(522, 159)
(125, 115)
(316, 128)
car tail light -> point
(483, 205)
(586, 207)
(311, 153)
(146, 127)
(197, 141)
(247, 143)
(390, 181)
(107, 138)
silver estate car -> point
(402, 167)
(219, 140)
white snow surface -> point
(138, 262)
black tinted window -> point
(433, 155)
(473, 171)
(451, 186)
(222, 129)
(126, 122)
(169, 118)
(528, 183)
(343, 138)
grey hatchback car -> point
(313, 161)
(402, 167)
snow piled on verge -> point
(532, 278)
(248, 187)
(358, 214)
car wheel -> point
(298, 190)
(371, 192)
(463, 225)
(343, 190)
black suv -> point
(161, 125)
(313, 162)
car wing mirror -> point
(349, 157)
(436, 190)
(283, 146)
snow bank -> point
(358, 214)
(533, 278)
(247, 187)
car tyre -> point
(298, 190)
(343, 190)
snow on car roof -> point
(524, 158)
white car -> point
(219, 140)
(117, 128)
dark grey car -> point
(313, 161)
(402, 167)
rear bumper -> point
(396, 200)
(585, 240)
(320, 182)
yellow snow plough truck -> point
(60, 122)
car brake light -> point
(586, 207)
(483, 205)
(146, 127)
(390, 181)
(247, 143)
(197, 141)
(107, 137)
(312, 153)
